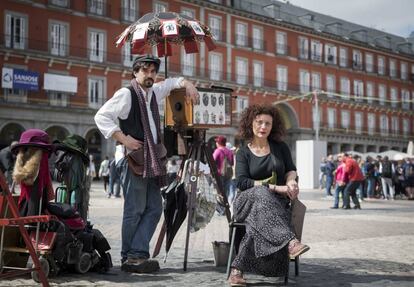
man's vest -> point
(132, 125)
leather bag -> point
(136, 158)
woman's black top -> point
(250, 167)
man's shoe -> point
(357, 207)
(346, 207)
(334, 207)
(296, 248)
(236, 278)
(140, 265)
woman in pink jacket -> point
(341, 179)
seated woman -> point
(263, 203)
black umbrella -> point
(162, 29)
(175, 211)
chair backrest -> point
(298, 217)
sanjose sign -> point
(19, 79)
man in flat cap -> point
(136, 108)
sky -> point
(392, 16)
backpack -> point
(386, 169)
(409, 171)
(227, 170)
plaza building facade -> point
(350, 84)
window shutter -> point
(8, 30)
(62, 40)
(22, 32)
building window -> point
(405, 99)
(381, 65)
(281, 43)
(357, 59)
(241, 34)
(358, 90)
(382, 93)
(160, 7)
(15, 31)
(189, 12)
(58, 39)
(303, 48)
(215, 62)
(96, 7)
(370, 92)
(343, 57)
(404, 71)
(384, 124)
(345, 119)
(242, 71)
(330, 54)
(395, 125)
(316, 51)
(406, 127)
(58, 99)
(394, 97)
(60, 3)
(242, 103)
(371, 124)
(393, 68)
(128, 57)
(96, 46)
(257, 38)
(304, 80)
(359, 121)
(15, 95)
(215, 26)
(369, 62)
(187, 63)
(129, 10)
(282, 78)
(330, 85)
(257, 74)
(331, 118)
(95, 93)
(316, 81)
(345, 87)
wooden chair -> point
(298, 210)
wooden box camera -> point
(213, 109)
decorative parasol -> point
(162, 29)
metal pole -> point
(165, 58)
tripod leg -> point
(214, 173)
(195, 153)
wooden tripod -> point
(200, 150)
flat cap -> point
(146, 59)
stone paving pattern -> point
(369, 247)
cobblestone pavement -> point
(369, 247)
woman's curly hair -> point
(249, 115)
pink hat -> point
(221, 140)
(33, 138)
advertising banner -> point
(19, 79)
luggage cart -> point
(10, 218)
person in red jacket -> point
(355, 178)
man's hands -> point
(131, 143)
(128, 141)
(191, 92)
